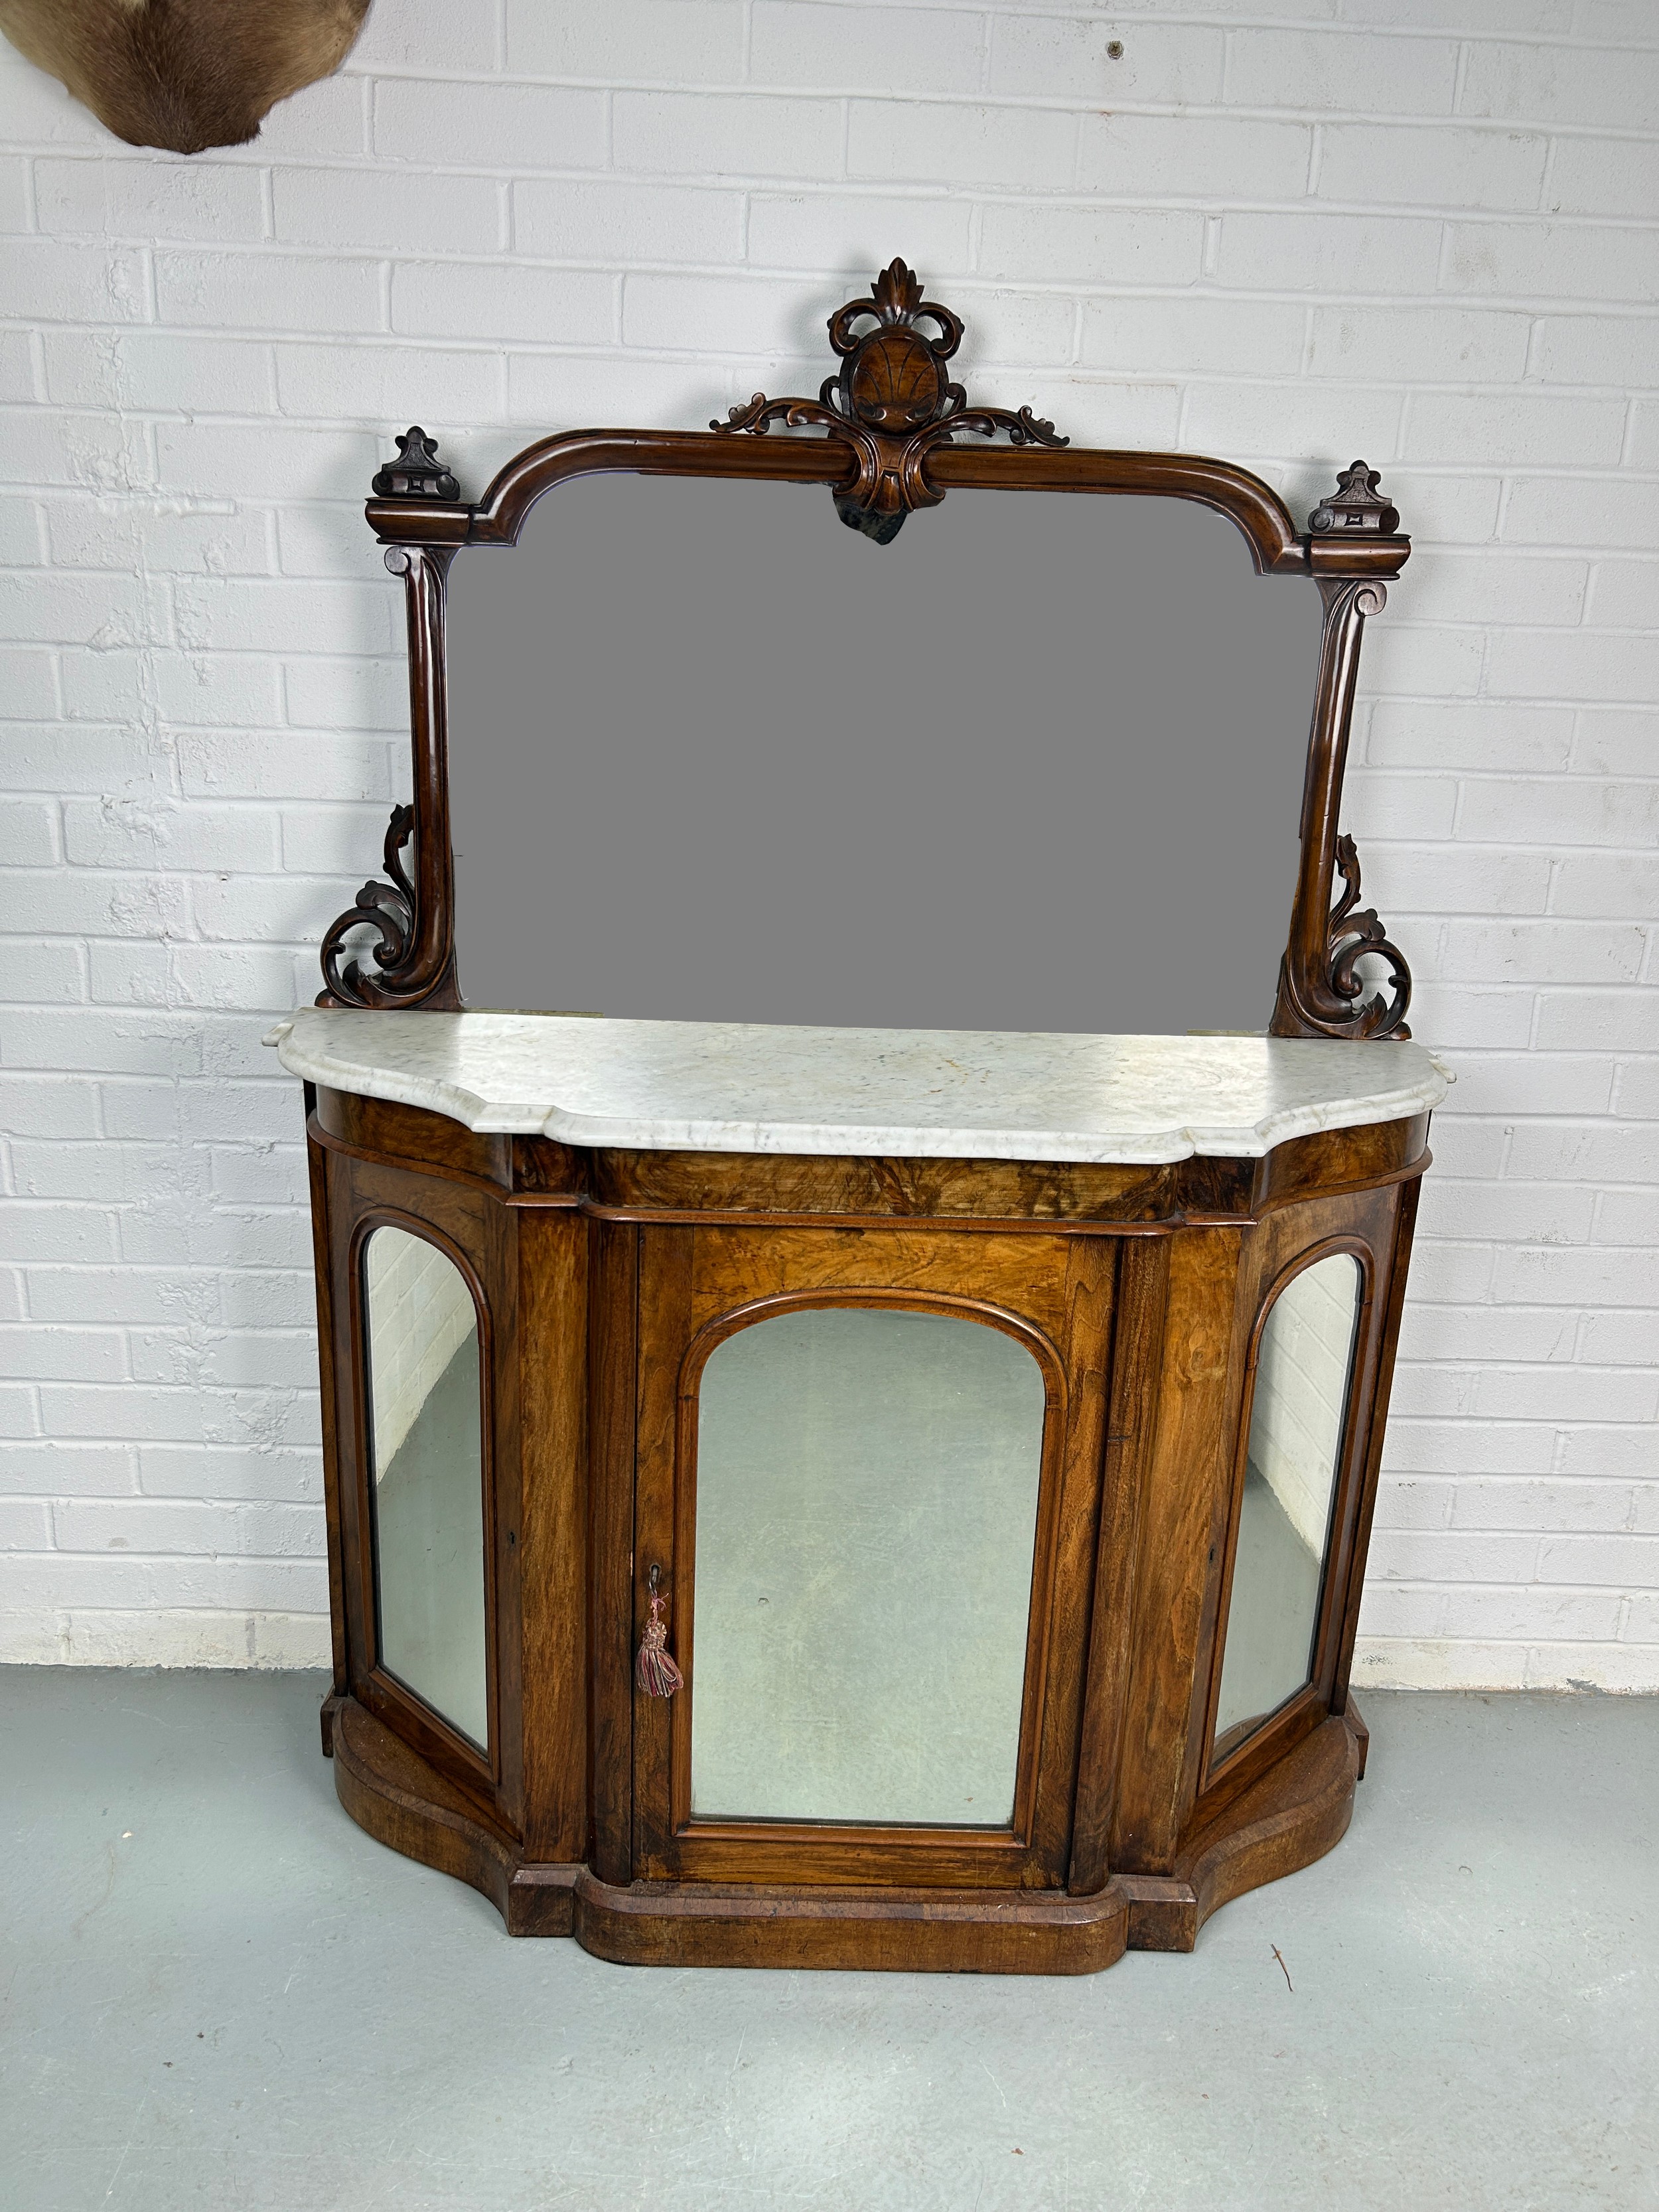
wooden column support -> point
(413, 917)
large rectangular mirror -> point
(1036, 764)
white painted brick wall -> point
(420, 1313)
(1301, 1392)
(1422, 229)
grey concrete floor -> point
(215, 1992)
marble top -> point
(931, 1094)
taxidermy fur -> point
(184, 74)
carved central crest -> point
(892, 377)
(893, 401)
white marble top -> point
(938, 1094)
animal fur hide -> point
(184, 74)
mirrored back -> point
(1035, 765)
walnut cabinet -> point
(604, 1286)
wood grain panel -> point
(381, 1128)
(1186, 1474)
(928, 1931)
(738, 1268)
(613, 1311)
(1143, 1290)
(1338, 1158)
(550, 1537)
(666, 1295)
(329, 1379)
(994, 1190)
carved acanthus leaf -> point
(1353, 932)
(389, 908)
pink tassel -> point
(655, 1671)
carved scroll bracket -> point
(1322, 991)
(892, 403)
(413, 951)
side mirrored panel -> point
(426, 1476)
(866, 1504)
(1304, 1364)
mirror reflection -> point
(421, 1331)
(1297, 1418)
(867, 1495)
(1036, 765)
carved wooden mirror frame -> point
(891, 419)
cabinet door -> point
(868, 1487)
(425, 1443)
(1313, 1290)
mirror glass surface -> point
(1297, 1416)
(866, 1514)
(1036, 765)
(426, 1428)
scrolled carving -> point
(387, 908)
(1321, 990)
(891, 403)
(411, 960)
(1352, 932)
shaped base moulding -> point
(1293, 1814)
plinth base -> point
(1292, 1815)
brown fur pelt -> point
(184, 74)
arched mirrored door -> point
(426, 1476)
(1298, 1418)
(867, 1480)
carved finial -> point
(897, 293)
(893, 401)
(1356, 505)
(417, 473)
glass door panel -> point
(426, 1475)
(1297, 1416)
(866, 1499)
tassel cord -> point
(654, 1669)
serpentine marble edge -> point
(926, 1094)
